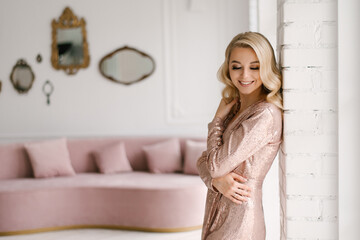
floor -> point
(105, 234)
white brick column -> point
(307, 48)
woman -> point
(243, 140)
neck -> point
(248, 99)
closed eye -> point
(236, 68)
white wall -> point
(187, 39)
(309, 156)
(349, 118)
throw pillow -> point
(193, 151)
(164, 157)
(50, 158)
(112, 159)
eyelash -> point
(237, 68)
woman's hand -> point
(224, 108)
(231, 186)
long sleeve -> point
(224, 155)
(204, 172)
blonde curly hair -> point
(269, 72)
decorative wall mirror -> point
(69, 45)
(22, 77)
(127, 65)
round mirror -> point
(22, 77)
(127, 66)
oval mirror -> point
(22, 77)
(127, 65)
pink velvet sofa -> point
(136, 200)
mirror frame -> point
(122, 49)
(66, 21)
(22, 64)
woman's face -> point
(244, 69)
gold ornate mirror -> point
(127, 65)
(22, 77)
(69, 45)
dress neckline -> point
(234, 118)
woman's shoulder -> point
(267, 108)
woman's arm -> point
(204, 172)
(231, 185)
(224, 156)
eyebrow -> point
(234, 61)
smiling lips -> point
(246, 84)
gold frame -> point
(122, 49)
(68, 20)
(21, 63)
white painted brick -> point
(318, 57)
(329, 80)
(310, 34)
(311, 230)
(298, 79)
(299, 34)
(310, 122)
(328, 34)
(300, 121)
(328, 122)
(304, 12)
(330, 165)
(318, 144)
(307, 45)
(309, 100)
(314, 186)
(303, 208)
(329, 209)
(302, 164)
(306, 79)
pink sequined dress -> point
(247, 146)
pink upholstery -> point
(164, 157)
(131, 199)
(50, 158)
(112, 159)
(193, 151)
(14, 161)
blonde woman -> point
(243, 140)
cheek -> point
(257, 77)
(232, 75)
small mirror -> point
(127, 66)
(69, 45)
(22, 77)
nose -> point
(245, 73)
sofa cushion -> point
(14, 161)
(193, 150)
(50, 158)
(164, 157)
(112, 159)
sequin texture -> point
(247, 145)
